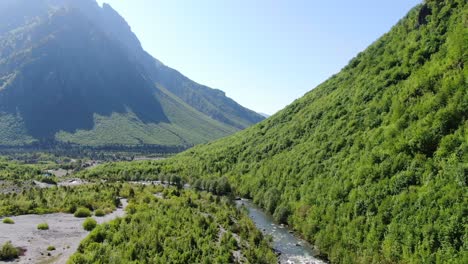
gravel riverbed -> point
(65, 234)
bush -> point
(8, 252)
(50, 248)
(77, 258)
(89, 224)
(48, 180)
(281, 214)
(71, 209)
(43, 226)
(82, 212)
(99, 213)
(8, 221)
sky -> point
(263, 53)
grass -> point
(187, 126)
(8, 221)
(43, 226)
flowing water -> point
(292, 249)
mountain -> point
(73, 72)
(371, 166)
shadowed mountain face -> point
(65, 63)
(211, 102)
(71, 74)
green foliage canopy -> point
(371, 166)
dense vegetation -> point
(63, 199)
(108, 90)
(16, 171)
(176, 227)
(186, 226)
(22, 167)
(372, 165)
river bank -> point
(291, 248)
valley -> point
(107, 155)
(65, 230)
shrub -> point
(281, 214)
(8, 252)
(48, 180)
(99, 213)
(82, 212)
(50, 248)
(89, 224)
(72, 208)
(8, 221)
(77, 258)
(43, 226)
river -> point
(292, 249)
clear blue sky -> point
(263, 53)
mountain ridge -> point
(71, 71)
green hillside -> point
(185, 127)
(371, 166)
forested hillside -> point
(371, 166)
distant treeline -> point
(94, 152)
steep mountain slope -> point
(211, 102)
(372, 165)
(74, 72)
